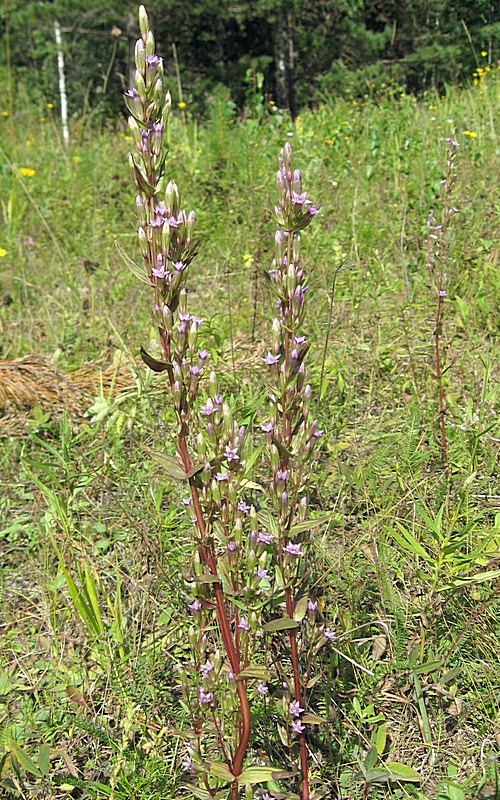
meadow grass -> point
(94, 544)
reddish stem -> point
(208, 558)
(294, 654)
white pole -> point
(62, 83)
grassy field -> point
(93, 541)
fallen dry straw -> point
(34, 381)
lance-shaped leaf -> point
(300, 609)
(220, 771)
(263, 774)
(400, 772)
(312, 719)
(307, 524)
(207, 577)
(142, 182)
(153, 363)
(169, 463)
(258, 672)
(280, 624)
(135, 268)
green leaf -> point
(262, 774)
(201, 794)
(136, 269)
(280, 624)
(313, 719)
(301, 609)
(169, 463)
(24, 759)
(207, 577)
(400, 772)
(258, 672)
(379, 738)
(221, 771)
(408, 542)
(371, 758)
(307, 524)
(44, 759)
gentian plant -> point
(253, 633)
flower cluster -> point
(165, 231)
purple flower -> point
(297, 726)
(195, 370)
(293, 549)
(300, 199)
(207, 668)
(243, 624)
(262, 573)
(180, 266)
(295, 708)
(243, 507)
(262, 689)
(268, 427)
(231, 453)
(195, 606)
(267, 796)
(312, 211)
(282, 475)
(329, 634)
(312, 606)
(205, 697)
(186, 501)
(187, 763)
(231, 546)
(222, 476)
(270, 360)
(264, 538)
(208, 409)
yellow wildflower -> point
(248, 259)
(42, 119)
(5, 113)
(3, 252)
(181, 105)
(471, 134)
(484, 53)
(50, 105)
(26, 172)
(329, 141)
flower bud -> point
(231, 492)
(276, 336)
(140, 86)
(140, 55)
(182, 301)
(216, 495)
(193, 336)
(213, 385)
(251, 561)
(201, 447)
(143, 22)
(177, 393)
(296, 248)
(297, 181)
(150, 44)
(193, 637)
(228, 419)
(281, 188)
(238, 530)
(172, 199)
